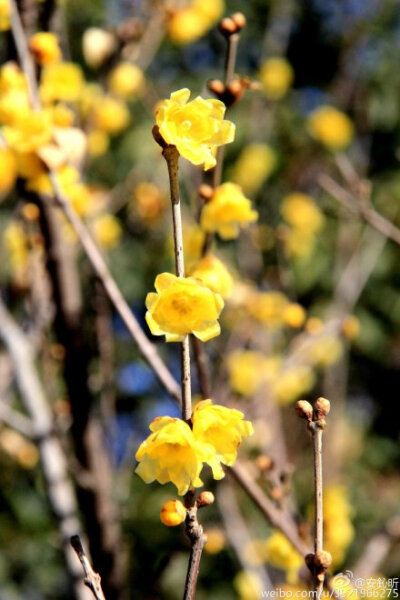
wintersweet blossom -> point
(281, 554)
(29, 130)
(276, 76)
(8, 171)
(126, 80)
(196, 128)
(222, 429)
(255, 164)
(45, 48)
(171, 454)
(182, 306)
(61, 81)
(214, 274)
(227, 211)
(189, 22)
(5, 15)
(172, 513)
(331, 127)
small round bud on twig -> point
(216, 87)
(322, 560)
(239, 19)
(206, 191)
(304, 410)
(309, 559)
(276, 493)
(234, 91)
(228, 26)
(322, 407)
(264, 463)
(205, 499)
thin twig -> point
(92, 579)
(171, 156)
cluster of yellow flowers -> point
(304, 221)
(175, 453)
(194, 19)
(276, 551)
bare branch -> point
(92, 579)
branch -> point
(92, 579)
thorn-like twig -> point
(92, 579)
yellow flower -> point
(62, 81)
(12, 78)
(248, 369)
(107, 230)
(182, 306)
(5, 15)
(171, 454)
(196, 128)
(111, 115)
(268, 307)
(294, 315)
(187, 24)
(276, 76)
(148, 201)
(126, 80)
(325, 351)
(331, 127)
(62, 115)
(30, 130)
(98, 142)
(13, 104)
(45, 48)
(282, 555)
(299, 243)
(16, 243)
(248, 585)
(214, 275)
(227, 211)
(338, 528)
(350, 327)
(300, 211)
(222, 429)
(193, 241)
(216, 540)
(8, 170)
(172, 513)
(254, 165)
(292, 383)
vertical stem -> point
(319, 518)
(171, 155)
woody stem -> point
(319, 520)
(171, 156)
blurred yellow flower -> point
(126, 80)
(248, 369)
(196, 128)
(268, 307)
(216, 540)
(13, 104)
(148, 201)
(61, 81)
(111, 115)
(171, 454)
(5, 15)
(214, 274)
(16, 244)
(276, 75)
(281, 554)
(14, 444)
(182, 306)
(248, 585)
(193, 241)
(227, 211)
(12, 78)
(45, 48)
(98, 142)
(190, 22)
(172, 513)
(62, 115)
(325, 351)
(107, 230)
(338, 528)
(8, 170)
(294, 315)
(350, 327)
(29, 130)
(300, 211)
(254, 165)
(331, 127)
(222, 429)
(292, 383)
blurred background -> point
(313, 307)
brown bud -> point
(239, 19)
(205, 499)
(216, 87)
(235, 88)
(304, 409)
(276, 493)
(309, 558)
(322, 560)
(228, 26)
(322, 407)
(206, 191)
(264, 463)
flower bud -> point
(172, 513)
(216, 87)
(239, 19)
(264, 463)
(322, 407)
(322, 560)
(98, 45)
(205, 499)
(206, 191)
(228, 26)
(304, 410)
